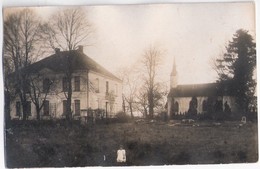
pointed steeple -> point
(174, 75)
(174, 71)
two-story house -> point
(93, 87)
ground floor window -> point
(46, 108)
(64, 107)
(28, 108)
(176, 107)
(204, 105)
(18, 108)
(53, 108)
(77, 107)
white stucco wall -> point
(184, 103)
(97, 99)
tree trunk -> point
(68, 106)
(145, 112)
(69, 73)
(123, 104)
(151, 104)
(7, 106)
(131, 109)
(38, 112)
(24, 105)
(68, 109)
(87, 89)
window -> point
(64, 84)
(176, 107)
(64, 107)
(97, 85)
(77, 83)
(46, 108)
(18, 109)
(204, 105)
(107, 86)
(77, 107)
(116, 89)
(28, 108)
(46, 85)
(53, 108)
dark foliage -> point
(121, 117)
(237, 68)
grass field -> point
(54, 144)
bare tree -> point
(21, 37)
(160, 96)
(68, 29)
(9, 91)
(142, 101)
(141, 89)
(130, 78)
(217, 63)
(151, 62)
(131, 94)
(40, 87)
(159, 100)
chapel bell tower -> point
(174, 76)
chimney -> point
(80, 48)
(57, 50)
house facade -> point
(198, 98)
(93, 87)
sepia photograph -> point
(164, 84)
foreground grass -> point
(58, 145)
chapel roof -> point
(205, 89)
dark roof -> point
(79, 61)
(206, 89)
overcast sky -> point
(192, 33)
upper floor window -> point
(107, 86)
(46, 85)
(77, 83)
(64, 84)
(26, 86)
(97, 85)
(116, 89)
